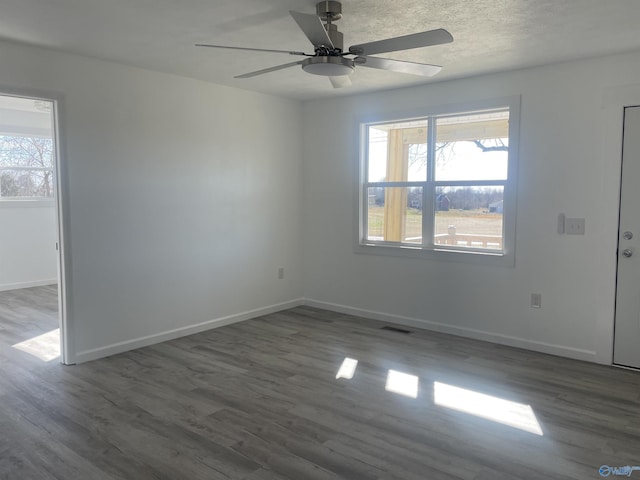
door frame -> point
(61, 198)
(614, 101)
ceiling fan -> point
(329, 58)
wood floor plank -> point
(260, 400)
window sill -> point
(439, 254)
(28, 203)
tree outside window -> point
(26, 167)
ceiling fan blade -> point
(267, 70)
(422, 69)
(313, 28)
(406, 42)
(340, 82)
(253, 49)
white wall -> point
(564, 167)
(182, 199)
(27, 245)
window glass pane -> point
(26, 183)
(472, 147)
(397, 152)
(377, 151)
(417, 162)
(20, 151)
(26, 147)
(394, 214)
(469, 217)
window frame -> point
(35, 132)
(505, 257)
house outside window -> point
(441, 184)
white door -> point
(627, 328)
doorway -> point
(626, 351)
(31, 285)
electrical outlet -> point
(536, 300)
(574, 226)
(280, 273)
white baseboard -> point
(553, 349)
(559, 350)
(120, 347)
(19, 285)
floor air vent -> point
(396, 329)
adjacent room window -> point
(26, 149)
(440, 183)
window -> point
(26, 149)
(440, 183)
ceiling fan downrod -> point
(330, 11)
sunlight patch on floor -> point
(46, 347)
(347, 369)
(402, 384)
(506, 412)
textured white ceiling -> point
(490, 35)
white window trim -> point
(28, 202)
(466, 255)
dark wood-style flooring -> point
(259, 400)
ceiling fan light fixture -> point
(328, 66)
